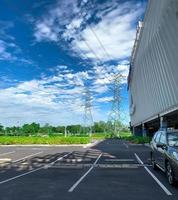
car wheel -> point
(153, 163)
(170, 174)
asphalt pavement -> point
(113, 169)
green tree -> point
(29, 129)
(100, 127)
(74, 129)
(1, 128)
(60, 129)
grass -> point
(101, 135)
(109, 135)
(7, 140)
(78, 139)
(125, 134)
(137, 139)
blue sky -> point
(51, 50)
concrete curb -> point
(43, 145)
(92, 144)
(132, 144)
(56, 145)
(146, 144)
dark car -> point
(164, 154)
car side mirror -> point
(160, 145)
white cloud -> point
(60, 98)
(61, 67)
(103, 81)
(104, 99)
(72, 28)
(49, 27)
(45, 99)
(100, 89)
(34, 101)
(116, 33)
(9, 50)
(54, 99)
(4, 53)
(43, 31)
(105, 74)
(5, 26)
(114, 28)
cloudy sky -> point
(52, 50)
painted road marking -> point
(74, 160)
(1, 154)
(32, 171)
(119, 160)
(109, 166)
(21, 159)
(90, 169)
(118, 166)
(126, 145)
(2, 160)
(60, 158)
(153, 176)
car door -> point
(160, 150)
(155, 149)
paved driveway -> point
(111, 170)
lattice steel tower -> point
(88, 118)
(115, 114)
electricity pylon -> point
(88, 118)
(115, 115)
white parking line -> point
(153, 176)
(119, 160)
(32, 171)
(31, 155)
(1, 154)
(126, 145)
(60, 158)
(78, 182)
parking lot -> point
(113, 169)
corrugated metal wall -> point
(154, 84)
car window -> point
(162, 139)
(173, 139)
(154, 137)
(157, 137)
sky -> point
(53, 51)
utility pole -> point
(88, 118)
(65, 133)
(114, 116)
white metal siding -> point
(154, 84)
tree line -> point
(35, 129)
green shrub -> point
(138, 139)
(101, 135)
(110, 135)
(43, 140)
(125, 134)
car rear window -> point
(173, 139)
(162, 139)
(157, 137)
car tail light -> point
(175, 155)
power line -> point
(94, 33)
(87, 44)
(115, 111)
(97, 38)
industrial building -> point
(153, 76)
